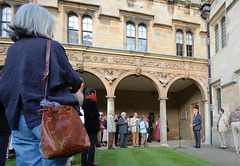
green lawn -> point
(141, 157)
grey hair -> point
(110, 111)
(32, 20)
(123, 113)
(238, 108)
(196, 110)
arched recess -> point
(93, 79)
(138, 93)
(195, 80)
(103, 81)
(157, 84)
(185, 94)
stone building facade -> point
(142, 56)
(225, 54)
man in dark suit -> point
(123, 131)
(197, 120)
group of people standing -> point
(130, 129)
(223, 122)
(222, 125)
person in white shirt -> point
(111, 128)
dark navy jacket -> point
(21, 84)
(4, 127)
(91, 116)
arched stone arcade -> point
(111, 77)
(110, 67)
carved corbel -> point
(109, 75)
(138, 71)
(80, 67)
(164, 78)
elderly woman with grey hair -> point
(143, 131)
(234, 121)
(22, 85)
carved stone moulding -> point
(198, 67)
(109, 74)
(72, 55)
(94, 58)
(82, 11)
(124, 61)
(136, 18)
(138, 71)
(163, 77)
(167, 65)
(3, 49)
(80, 67)
(204, 79)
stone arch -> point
(98, 75)
(157, 84)
(202, 87)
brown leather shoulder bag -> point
(62, 132)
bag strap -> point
(46, 72)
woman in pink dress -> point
(158, 138)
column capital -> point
(162, 98)
(110, 97)
(205, 100)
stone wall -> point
(225, 62)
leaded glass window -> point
(189, 44)
(223, 25)
(216, 39)
(142, 38)
(179, 37)
(73, 29)
(5, 19)
(130, 36)
(87, 36)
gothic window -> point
(87, 36)
(223, 26)
(73, 29)
(131, 36)
(219, 100)
(142, 38)
(179, 37)
(5, 19)
(189, 44)
(216, 39)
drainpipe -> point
(205, 12)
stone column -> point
(207, 122)
(110, 104)
(110, 107)
(163, 121)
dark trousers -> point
(149, 135)
(116, 138)
(197, 138)
(3, 151)
(123, 140)
(88, 155)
